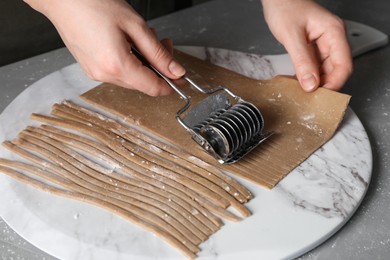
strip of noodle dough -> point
(91, 188)
(115, 142)
(114, 145)
(152, 163)
(130, 133)
(81, 163)
(104, 205)
(196, 212)
(155, 158)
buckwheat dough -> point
(138, 137)
(14, 170)
(302, 121)
(112, 187)
(227, 191)
(142, 168)
(201, 216)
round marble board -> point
(302, 211)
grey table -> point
(239, 25)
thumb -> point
(305, 62)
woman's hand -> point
(315, 40)
(99, 34)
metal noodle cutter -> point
(225, 130)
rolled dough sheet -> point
(302, 121)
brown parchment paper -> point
(302, 121)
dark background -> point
(25, 33)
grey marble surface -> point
(238, 25)
(320, 195)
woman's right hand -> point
(100, 33)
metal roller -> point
(233, 132)
(225, 130)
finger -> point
(154, 51)
(337, 67)
(122, 68)
(337, 77)
(168, 44)
(137, 76)
(304, 59)
(153, 31)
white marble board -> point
(301, 212)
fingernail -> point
(308, 82)
(176, 69)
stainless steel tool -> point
(227, 128)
